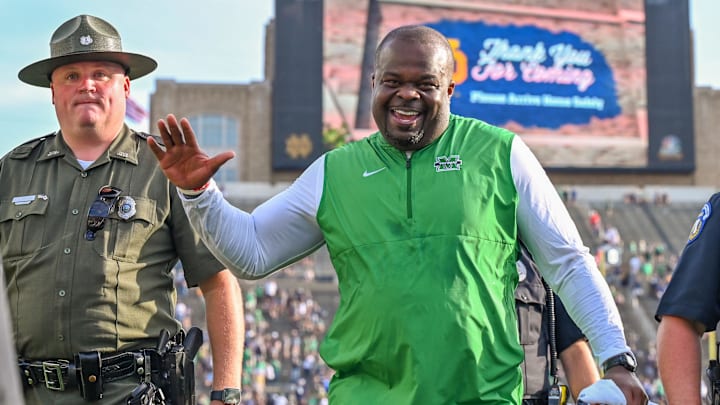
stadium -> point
(602, 92)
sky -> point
(213, 41)
(193, 41)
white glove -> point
(603, 392)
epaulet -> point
(144, 135)
(25, 149)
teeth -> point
(406, 112)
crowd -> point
(638, 272)
(285, 325)
(283, 329)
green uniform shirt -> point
(425, 250)
(115, 293)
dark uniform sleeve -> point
(694, 290)
(567, 331)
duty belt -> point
(535, 401)
(87, 370)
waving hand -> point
(182, 160)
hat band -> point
(87, 44)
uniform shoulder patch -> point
(699, 224)
(145, 135)
(24, 150)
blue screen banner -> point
(528, 75)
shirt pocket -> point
(125, 236)
(530, 318)
(22, 226)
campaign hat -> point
(85, 38)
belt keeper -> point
(90, 372)
(26, 375)
(147, 366)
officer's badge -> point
(700, 222)
(126, 208)
(86, 40)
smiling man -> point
(421, 220)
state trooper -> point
(90, 230)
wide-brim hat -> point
(81, 39)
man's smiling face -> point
(411, 92)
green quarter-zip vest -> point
(425, 248)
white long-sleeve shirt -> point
(284, 229)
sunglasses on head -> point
(100, 209)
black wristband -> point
(227, 395)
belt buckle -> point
(52, 371)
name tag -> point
(27, 199)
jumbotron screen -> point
(587, 85)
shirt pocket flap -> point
(532, 293)
(18, 211)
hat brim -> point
(38, 73)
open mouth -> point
(404, 117)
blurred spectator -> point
(595, 223)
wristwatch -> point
(626, 360)
(227, 396)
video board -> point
(587, 85)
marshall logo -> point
(447, 163)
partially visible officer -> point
(535, 321)
(90, 230)
(689, 307)
(10, 393)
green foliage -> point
(335, 137)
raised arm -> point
(251, 245)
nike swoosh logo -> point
(368, 174)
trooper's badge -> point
(126, 208)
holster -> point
(177, 379)
(713, 374)
(89, 369)
(178, 384)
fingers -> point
(174, 131)
(156, 149)
(177, 133)
(188, 134)
(165, 133)
(218, 160)
(171, 132)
